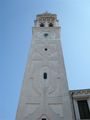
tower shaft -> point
(44, 94)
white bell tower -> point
(44, 94)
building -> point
(45, 94)
(80, 100)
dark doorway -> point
(43, 118)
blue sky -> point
(16, 18)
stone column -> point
(88, 103)
(76, 110)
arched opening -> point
(41, 25)
(50, 25)
(45, 75)
(43, 118)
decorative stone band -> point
(80, 93)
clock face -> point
(49, 35)
(45, 35)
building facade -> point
(45, 94)
(80, 100)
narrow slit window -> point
(45, 75)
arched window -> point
(41, 25)
(45, 75)
(50, 25)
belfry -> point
(45, 94)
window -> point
(41, 25)
(83, 109)
(50, 25)
(45, 75)
(43, 118)
(45, 49)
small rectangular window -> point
(83, 109)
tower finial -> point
(46, 11)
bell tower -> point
(44, 93)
